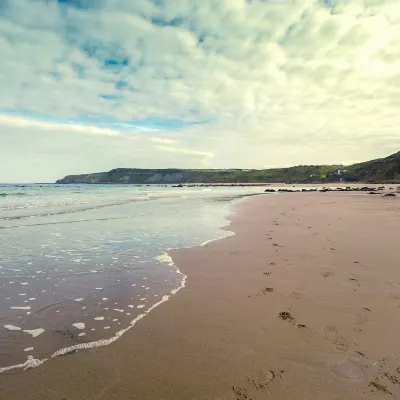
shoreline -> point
(164, 258)
(223, 331)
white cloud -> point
(180, 150)
(281, 82)
(7, 121)
(162, 140)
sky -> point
(92, 85)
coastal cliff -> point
(380, 170)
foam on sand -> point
(79, 325)
(12, 328)
(28, 364)
(34, 332)
(31, 362)
(165, 258)
(228, 233)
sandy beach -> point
(302, 302)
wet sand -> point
(301, 303)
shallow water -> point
(79, 263)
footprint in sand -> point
(393, 290)
(264, 291)
(353, 284)
(387, 377)
(375, 386)
(255, 387)
(295, 295)
(286, 316)
(362, 316)
(327, 274)
(337, 341)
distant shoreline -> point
(380, 170)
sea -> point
(80, 265)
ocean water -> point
(81, 264)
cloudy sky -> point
(91, 85)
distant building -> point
(338, 172)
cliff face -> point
(141, 176)
(174, 176)
(384, 169)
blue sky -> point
(91, 85)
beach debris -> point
(389, 195)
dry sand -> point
(302, 303)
